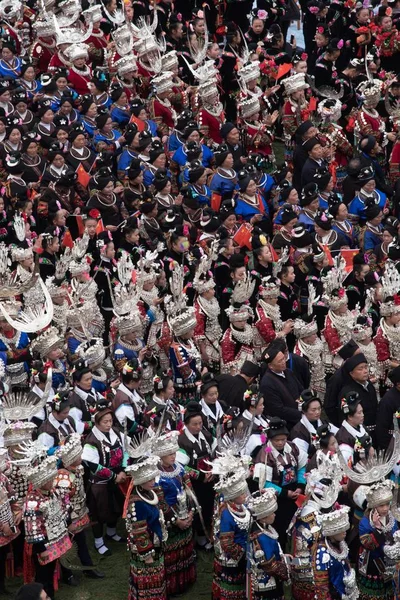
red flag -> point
(312, 105)
(83, 176)
(216, 200)
(274, 254)
(141, 125)
(283, 70)
(328, 255)
(67, 241)
(243, 235)
(81, 227)
(348, 256)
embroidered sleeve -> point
(35, 531)
(266, 329)
(332, 337)
(321, 575)
(276, 568)
(230, 549)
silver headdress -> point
(239, 311)
(18, 433)
(335, 522)
(334, 292)
(47, 341)
(71, 35)
(390, 289)
(380, 493)
(370, 91)
(203, 280)
(70, 450)
(166, 444)
(140, 449)
(17, 406)
(123, 39)
(148, 268)
(263, 504)
(375, 467)
(295, 83)
(92, 352)
(325, 494)
(10, 9)
(125, 298)
(181, 318)
(282, 260)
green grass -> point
(115, 584)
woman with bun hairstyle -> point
(164, 391)
(196, 450)
(104, 459)
(354, 441)
(83, 397)
(128, 404)
(325, 443)
(253, 414)
(213, 412)
(304, 433)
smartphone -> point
(291, 40)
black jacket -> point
(368, 400)
(280, 395)
(389, 404)
(231, 390)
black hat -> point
(301, 237)
(306, 397)
(309, 144)
(287, 214)
(227, 208)
(276, 426)
(130, 133)
(303, 128)
(226, 129)
(137, 106)
(348, 349)
(322, 177)
(195, 171)
(394, 375)
(372, 278)
(60, 401)
(371, 210)
(171, 220)
(156, 149)
(68, 177)
(147, 204)
(281, 171)
(207, 382)
(351, 399)
(323, 431)
(243, 180)
(334, 203)
(183, 119)
(193, 150)
(309, 193)
(271, 352)
(394, 250)
(366, 174)
(161, 179)
(189, 128)
(190, 199)
(145, 138)
(236, 261)
(220, 154)
(250, 369)
(354, 361)
(286, 189)
(134, 169)
(324, 220)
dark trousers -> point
(83, 552)
(98, 528)
(3, 557)
(44, 575)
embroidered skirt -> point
(375, 587)
(229, 583)
(179, 559)
(147, 582)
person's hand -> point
(77, 211)
(391, 136)
(18, 517)
(299, 491)
(157, 301)
(6, 529)
(178, 199)
(204, 356)
(183, 523)
(292, 495)
(288, 326)
(111, 228)
(142, 353)
(149, 560)
(255, 218)
(204, 370)
(118, 189)
(114, 384)
(121, 477)
(243, 159)
(376, 520)
(121, 140)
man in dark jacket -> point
(315, 160)
(280, 387)
(231, 388)
(303, 133)
(357, 371)
(388, 406)
(369, 149)
(335, 384)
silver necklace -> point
(269, 531)
(244, 336)
(153, 501)
(342, 554)
(170, 474)
(242, 518)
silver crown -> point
(330, 113)
(93, 352)
(380, 493)
(126, 64)
(166, 444)
(324, 494)
(42, 473)
(335, 522)
(169, 60)
(208, 89)
(181, 318)
(163, 82)
(250, 107)
(77, 267)
(232, 486)
(123, 39)
(295, 83)
(47, 341)
(263, 504)
(302, 329)
(17, 406)
(249, 72)
(268, 289)
(76, 51)
(93, 14)
(71, 450)
(361, 332)
(20, 254)
(17, 433)
(144, 471)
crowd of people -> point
(200, 296)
